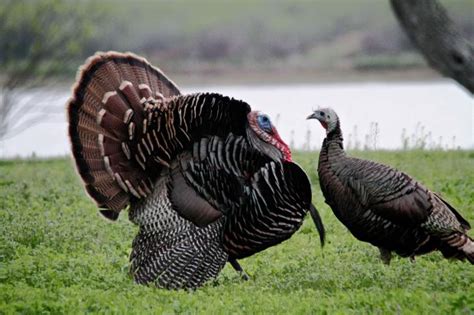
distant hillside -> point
(321, 34)
(255, 36)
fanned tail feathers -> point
(106, 108)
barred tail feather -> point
(468, 250)
(458, 246)
(104, 112)
(448, 231)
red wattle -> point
(284, 148)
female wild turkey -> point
(206, 179)
(385, 207)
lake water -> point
(373, 115)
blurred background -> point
(282, 57)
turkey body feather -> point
(204, 183)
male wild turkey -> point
(386, 207)
(206, 179)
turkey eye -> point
(264, 123)
(321, 113)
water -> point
(440, 112)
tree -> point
(39, 39)
(428, 25)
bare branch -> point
(18, 112)
(24, 125)
(428, 25)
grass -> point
(57, 255)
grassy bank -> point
(57, 255)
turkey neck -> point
(331, 159)
(333, 147)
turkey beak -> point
(313, 116)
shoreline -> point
(286, 76)
(300, 76)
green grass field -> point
(57, 255)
